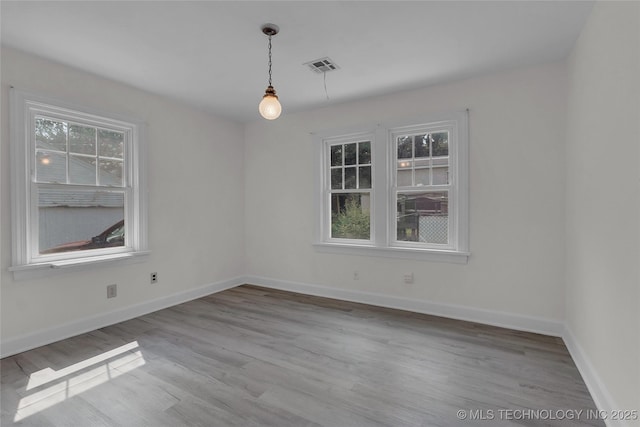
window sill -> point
(455, 257)
(45, 269)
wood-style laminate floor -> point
(251, 356)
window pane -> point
(421, 145)
(110, 143)
(364, 154)
(405, 164)
(404, 178)
(350, 216)
(51, 167)
(350, 178)
(404, 147)
(350, 154)
(365, 176)
(82, 170)
(423, 217)
(440, 176)
(440, 144)
(72, 220)
(422, 176)
(111, 172)
(51, 134)
(336, 179)
(440, 161)
(336, 155)
(82, 140)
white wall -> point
(517, 122)
(603, 202)
(196, 212)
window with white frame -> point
(397, 190)
(78, 184)
(350, 188)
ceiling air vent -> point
(322, 65)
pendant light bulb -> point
(270, 107)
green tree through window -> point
(351, 222)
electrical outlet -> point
(112, 291)
(408, 278)
(154, 277)
(356, 275)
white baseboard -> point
(487, 317)
(47, 336)
(599, 392)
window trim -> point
(23, 107)
(383, 237)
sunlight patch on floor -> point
(48, 387)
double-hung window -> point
(78, 185)
(349, 190)
(398, 190)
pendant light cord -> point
(270, 61)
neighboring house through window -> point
(398, 190)
(78, 184)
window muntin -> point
(350, 165)
(422, 159)
(68, 153)
(78, 176)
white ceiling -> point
(212, 54)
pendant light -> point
(270, 107)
